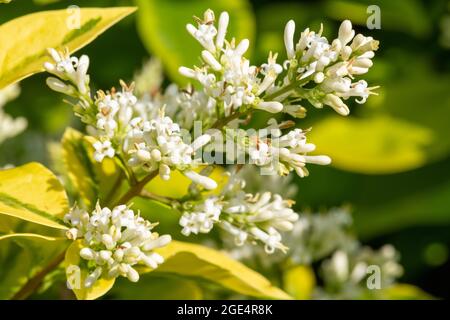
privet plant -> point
(238, 171)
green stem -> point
(224, 121)
(33, 284)
(286, 89)
(136, 189)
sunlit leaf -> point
(31, 192)
(192, 260)
(299, 282)
(23, 256)
(162, 27)
(24, 41)
(377, 145)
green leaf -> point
(31, 192)
(72, 260)
(24, 41)
(299, 282)
(377, 145)
(196, 261)
(162, 28)
(90, 179)
(22, 256)
(402, 291)
(156, 287)
(429, 207)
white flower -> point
(102, 150)
(114, 241)
(281, 154)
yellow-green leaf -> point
(24, 41)
(192, 260)
(377, 145)
(31, 192)
(299, 282)
(71, 262)
(91, 180)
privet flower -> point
(145, 137)
(280, 154)
(114, 241)
(246, 217)
(331, 67)
(345, 272)
(226, 75)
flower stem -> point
(286, 89)
(223, 121)
(136, 189)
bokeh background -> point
(391, 157)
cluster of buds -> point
(123, 125)
(280, 154)
(345, 272)
(331, 67)
(226, 75)
(246, 217)
(114, 241)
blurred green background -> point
(391, 156)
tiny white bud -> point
(59, 86)
(132, 274)
(270, 106)
(222, 29)
(187, 72)
(204, 181)
(87, 253)
(322, 160)
(242, 47)
(289, 38)
(156, 155)
(209, 59)
(346, 33)
(143, 155)
(336, 103)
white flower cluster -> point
(201, 218)
(345, 271)
(246, 217)
(9, 127)
(123, 126)
(114, 241)
(280, 154)
(226, 75)
(330, 66)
